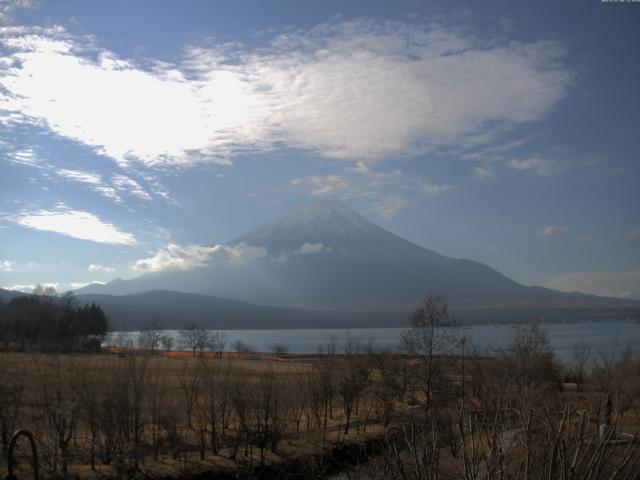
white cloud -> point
(389, 206)
(309, 248)
(541, 166)
(93, 180)
(324, 185)
(305, 249)
(20, 288)
(550, 230)
(482, 172)
(193, 256)
(120, 184)
(608, 284)
(79, 176)
(75, 285)
(433, 190)
(360, 91)
(585, 238)
(129, 185)
(157, 187)
(7, 8)
(367, 91)
(121, 109)
(25, 156)
(6, 266)
(74, 223)
(99, 268)
(29, 288)
(243, 253)
(364, 169)
(496, 152)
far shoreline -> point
(404, 325)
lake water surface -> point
(608, 337)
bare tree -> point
(241, 347)
(326, 382)
(388, 389)
(124, 341)
(150, 336)
(202, 407)
(581, 358)
(212, 399)
(352, 379)
(136, 370)
(167, 343)
(89, 410)
(239, 397)
(529, 359)
(157, 403)
(43, 291)
(190, 382)
(298, 397)
(431, 332)
(58, 405)
(618, 374)
(316, 397)
(11, 389)
(195, 338)
(218, 342)
(266, 409)
(279, 348)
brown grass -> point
(39, 371)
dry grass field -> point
(126, 414)
(170, 405)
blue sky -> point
(504, 132)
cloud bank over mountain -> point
(193, 256)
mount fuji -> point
(323, 256)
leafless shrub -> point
(279, 349)
(195, 338)
(528, 359)
(150, 337)
(577, 370)
(241, 347)
(619, 375)
(167, 342)
(218, 342)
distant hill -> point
(7, 295)
(173, 309)
(324, 256)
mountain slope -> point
(173, 309)
(324, 256)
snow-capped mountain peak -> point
(328, 223)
